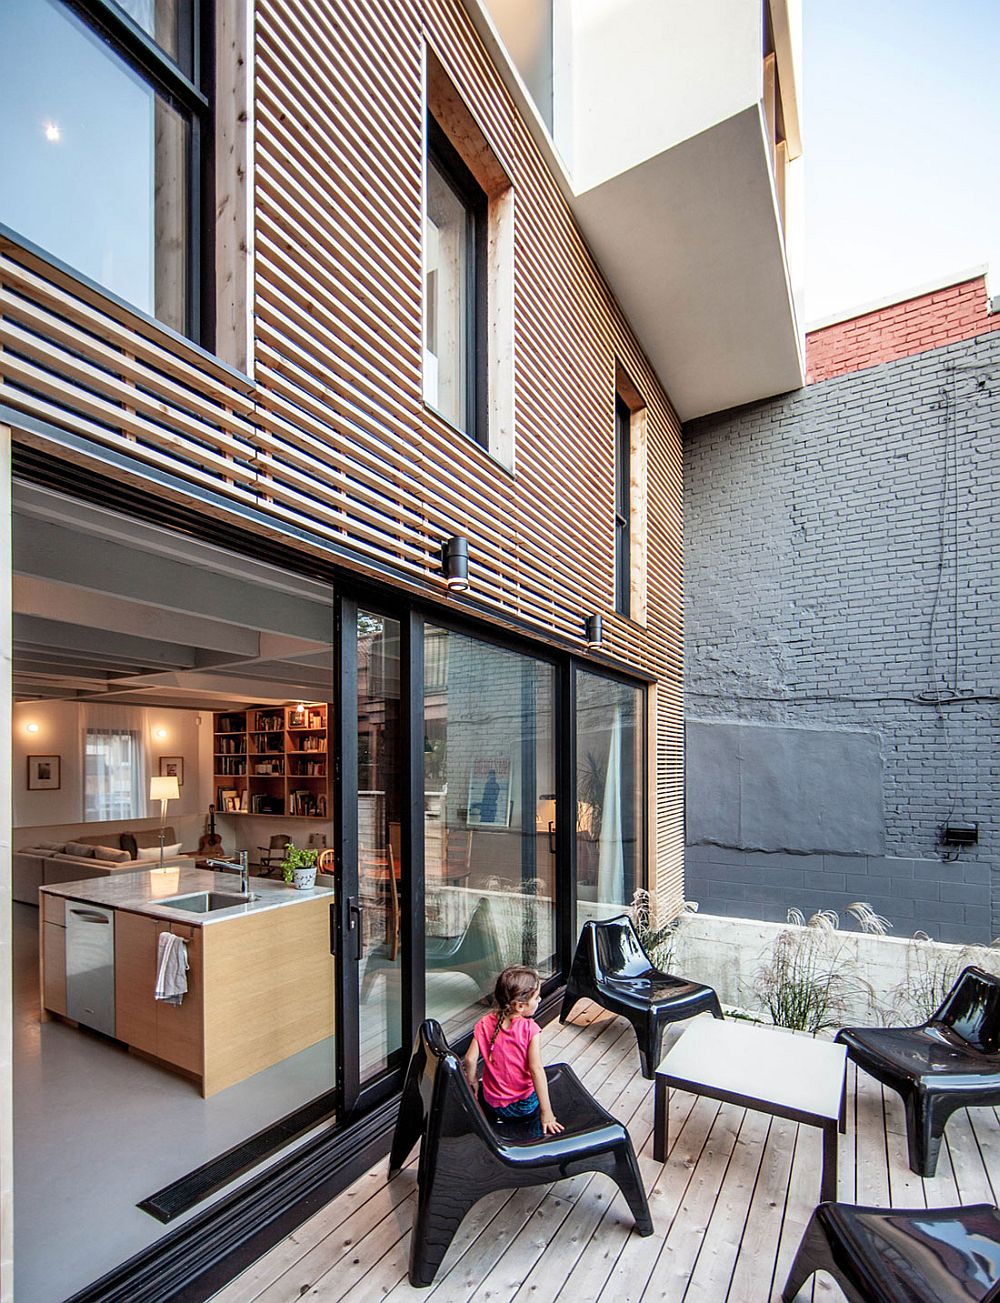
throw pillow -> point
(127, 840)
(112, 854)
(147, 837)
(80, 849)
(151, 855)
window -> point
(115, 775)
(102, 124)
(489, 812)
(610, 725)
(623, 507)
(455, 226)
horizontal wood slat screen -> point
(333, 436)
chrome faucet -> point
(242, 867)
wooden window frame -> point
(187, 86)
(449, 162)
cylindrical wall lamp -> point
(594, 631)
(455, 563)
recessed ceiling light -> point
(31, 728)
(53, 132)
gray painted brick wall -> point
(841, 573)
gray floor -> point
(97, 1129)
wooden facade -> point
(324, 431)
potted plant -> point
(298, 868)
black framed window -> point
(623, 507)
(455, 233)
(105, 130)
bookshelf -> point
(272, 761)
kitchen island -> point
(260, 975)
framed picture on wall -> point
(44, 773)
(489, 792)
(172, 767)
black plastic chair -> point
(475, 951)
(463, 1157)
(951, 1061)
(611, 968)
(919, 1255)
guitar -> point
(210, 843)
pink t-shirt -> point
(506, 1078)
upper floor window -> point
(623, 507)
(455, 239)
(103, 128)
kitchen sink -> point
(203, 902)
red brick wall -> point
(900, 330)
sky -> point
(901, 136)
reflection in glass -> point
(447, 239)
(95, 163)
(167, 22)
(380, 872)
(489, 850)
(608, 795)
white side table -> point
(789, 1076)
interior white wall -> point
(60, 725)
(632, 78)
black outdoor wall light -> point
(594, 631)
(455, 563)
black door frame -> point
(218, 1241)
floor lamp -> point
(164, 790)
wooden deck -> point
(729, 1205)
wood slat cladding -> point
(332, 434)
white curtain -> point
(611, 857)
(114, 763)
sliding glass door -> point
(489, 820)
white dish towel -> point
(171, 968)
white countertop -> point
(144, 891)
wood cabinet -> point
(273, 760)
(53, 955)
(260, 987)
(171, 1032)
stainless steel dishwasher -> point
(90, 966)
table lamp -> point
(164, 790)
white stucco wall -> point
(632, 78)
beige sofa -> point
(53, 863)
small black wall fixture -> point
(455, 563)
(960, 834)
(594, 630)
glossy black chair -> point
(463, 1157)
(951, 1061)
(475, 951)
(919, 1255)
(611, 968)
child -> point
(514, 1086)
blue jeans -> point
(524, 1111)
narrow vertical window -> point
(455, 221)
(623, 507)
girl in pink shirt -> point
(514, 1085)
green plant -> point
(297, 859)
(658, 941)
(808, 982)
(931, 972)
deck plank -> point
(729, 1205)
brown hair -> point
(513, 985)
